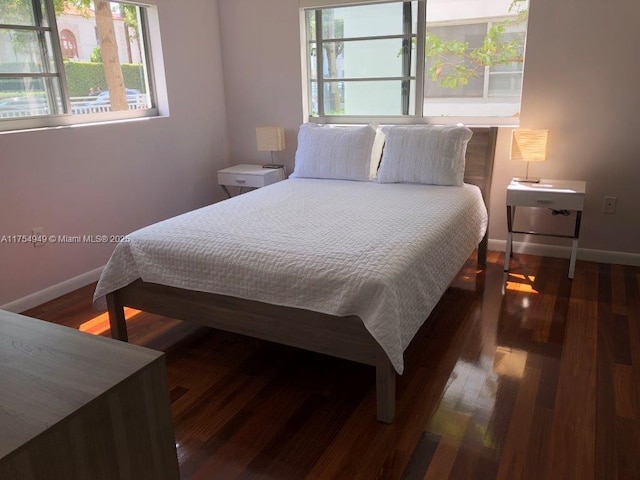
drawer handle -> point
(544, 202)
(240, 180)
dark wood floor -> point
(525, 376)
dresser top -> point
(48, 371)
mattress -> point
(383, 252)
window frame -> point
(150, 34)
(420, 98)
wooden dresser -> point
(76, 406)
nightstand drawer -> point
(554, 200)
(247, 175)
(244, 180)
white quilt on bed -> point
(383, 252)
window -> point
(402, 61)
(348, 49)
(69, 44)
(54, 70)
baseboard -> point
(52, 292)
(587, 254)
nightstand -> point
(556, 195)
(245, 175)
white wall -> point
(262, 72)
(580, 82)
(112, 179)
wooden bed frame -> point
(343, 337)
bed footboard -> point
(342, 337)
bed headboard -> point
(479, 161)
(479, 170)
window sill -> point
(69, 121)
(409, 120)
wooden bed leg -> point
(116, 317)
(482, 249)
(385, 388)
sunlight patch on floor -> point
(521, 283)
(100, 324)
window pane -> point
(513, 37)
(444, 63)
(20, 52)
(310, 16)
(469, 65)
(110, 78)
(313, 98)
(16, 12)
(367, 97)
(365, 59)
(313, 61)
(25, 97)
(506, 79)
(505, 84)
(364, 20)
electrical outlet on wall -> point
(609, 205)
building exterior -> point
(79, 37)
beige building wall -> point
(84, 31)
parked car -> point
(103, 98)
(24, 103)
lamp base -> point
(273, 165)
(526, 179)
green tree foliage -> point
(130, 14)
(96, 56)
(454, 63)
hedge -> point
(83, 76)
(19, 93)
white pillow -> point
(429, 154)
(340, 153)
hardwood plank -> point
(422, 456)
(573, 430)
(632, 294)
(628, 445)
(445, 455)
(606, 461)
(618, 290)
(537, 456)
(625, 383)
(513, 460)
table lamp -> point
(530, 146)
(270, 139)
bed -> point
(348, 269)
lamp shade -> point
(529, 145)
(270, 139)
